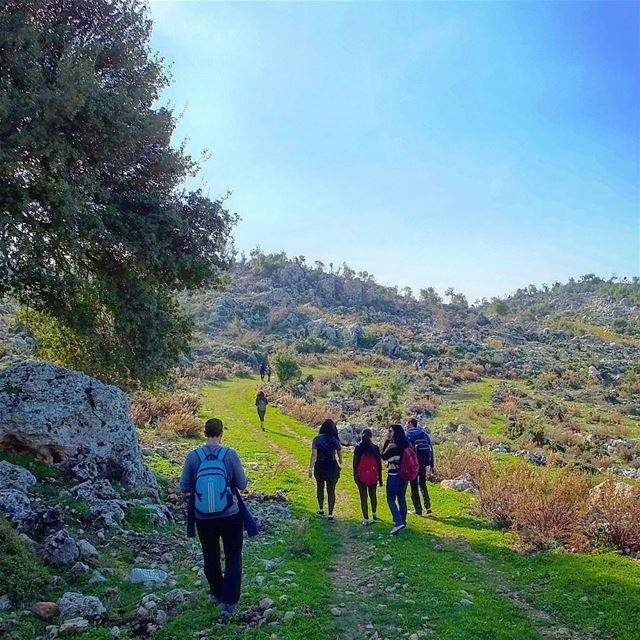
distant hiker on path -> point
(261, 406)
(420, 440)
(263, 370)
(367, 473)
(324, 466)
(210, 477)
(394, 451)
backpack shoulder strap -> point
(201, 454)
(222, 453)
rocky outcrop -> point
(61, 415)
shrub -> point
(23, 574)
(286, 366)
(613, 514)
(453, 462)
(311, 413)
(542, 506)
(181, 424)
(148, 409)
(241, 370)
(311, 344)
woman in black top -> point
(324, 466)
(392, 451)
(367, 473)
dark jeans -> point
(225, 587)
(330, 483)
(397, 498)
(373, 496)
(420, 483)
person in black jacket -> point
(367, 473)
(326, 458)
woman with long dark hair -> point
(392, 451)
(324, 466)
(261, 406)
(367, 473)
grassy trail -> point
(448, 577)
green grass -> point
(435, 563)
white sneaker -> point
(374, 516)
(366, 522)
(397, 528)
(330, 517)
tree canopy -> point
(97, 232)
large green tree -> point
(97, 233)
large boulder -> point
(389, 345)
(60, 548)
(61, 415)
(13, 476)
(74, 605)
(15, 505)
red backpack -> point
(409, 465)
(367, 470)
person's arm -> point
(314, 457)
(379, 463)
(389, 451)
(239, 477)
(187, 479)
(356, 460)
(339, 451)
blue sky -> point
(483, 146)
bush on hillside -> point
(310, 344)
(23, 574)
(452, 462)
(148, 409)
(286, 366)
(613, 515)
(311, 413)
(181, 424)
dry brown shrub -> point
(545, 508)
(248, 339)
(240, 370)
(428, 404)
(346, 370)
(318, 388)
(455, 461)
(308, 359)
(204, 371)
(181, 424)
(148, 409)
(311, 413)
(277, 315)
(511, 406)
(481, 411)
(613, 514)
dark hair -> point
(399, 437)
(213, 428)
(413, 422)
(260, 393)
(328, 428)
(366, 435)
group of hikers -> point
(410, 459)
(213, 476)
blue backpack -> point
(213, 493)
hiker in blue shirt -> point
(422, 445)
(211, 476)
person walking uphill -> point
(367, 473)
(211, 476)
(420, 440)
(261, 406)
(324, 466)
(393, 452)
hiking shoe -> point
(214, 599)
(374, 516)
(330, 517)
(320, 512)
(227, 610)
(366, 522)
(428, 512)
(397, 528)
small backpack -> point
(409, 466)
(367, 470)
(213, 493)
(424, 449)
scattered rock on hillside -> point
(15, 505)
(139, 575)
(389, 345)
(347, 433)
(58, 415)
(45, 610)
(13, 476)
(60, 548)
(461, 483)
(74, 605)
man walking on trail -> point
(421, 442)
(211, 477)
